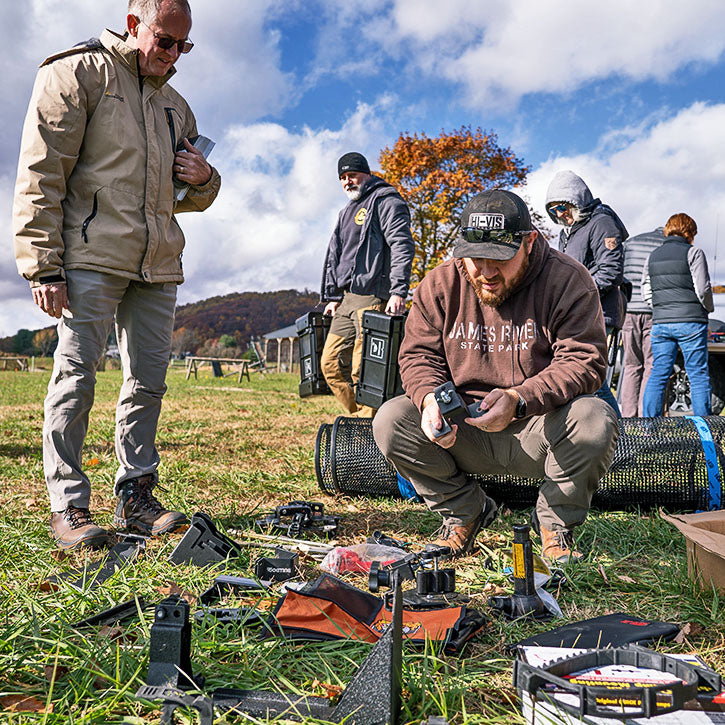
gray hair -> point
(148, 10)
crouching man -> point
(517, 325)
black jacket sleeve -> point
(329, 291)
(394, 217)
(607, 249)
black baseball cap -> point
(493, 225)
(352, 161)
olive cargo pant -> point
(144, 315)
(570, 447)
(343, 340)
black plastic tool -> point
(128, 548)
(203, 544)
(298, 517)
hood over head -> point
(566, 186)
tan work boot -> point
(461, 538)
(140, 512)
(74, 528)
(558, 546)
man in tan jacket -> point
(95, 235)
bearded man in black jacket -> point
(367, 267)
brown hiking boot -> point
(461, 538)
(74, 528)
(140, 512)
(558, 546)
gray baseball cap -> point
(493, 225)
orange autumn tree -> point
(437, 176)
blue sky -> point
(628, 95)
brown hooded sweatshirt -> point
(546, 341)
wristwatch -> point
(520, 411)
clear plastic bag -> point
(358, 558)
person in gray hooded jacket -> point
(593, 234)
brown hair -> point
(681, 225)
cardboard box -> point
(705, 536)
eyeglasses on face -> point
(497, 236)
(561, 208)
(166, 42)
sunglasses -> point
(559, 208)
(166, 42)
(496, 236)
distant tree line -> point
(30, 342)
(223, 326)
(218, 326)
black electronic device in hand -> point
(451, 405)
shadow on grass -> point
(353, 524)
(16, 450)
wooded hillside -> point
(238, 315)
(245, 313)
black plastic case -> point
(379, 374)
(312, 330)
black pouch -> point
(610, 630)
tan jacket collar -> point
(116, 45)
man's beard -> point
(488, 298)
(353, 194)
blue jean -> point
(605, 393)
(691, 338)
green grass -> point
(233, 450)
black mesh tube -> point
(657, 462)
(347, 460)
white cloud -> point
(233, 72)
(501, 51)
(672, 165)
(280, 196)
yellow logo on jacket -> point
(360, 217)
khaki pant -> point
(571, 448)
(144, 315)
(344, 344)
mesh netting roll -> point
(663, 462)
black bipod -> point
(370, 698)
(434, 588)
(297, 517)
(525, 601)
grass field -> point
(234, 451)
